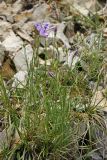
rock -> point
(5, 28)
(40, 12)
(91, 40)
(3, 7)
(47, 62)
(60, 34)
(24, 30)
(23, 58)
(17, 6)
(99, 133)
(103, 11)
(96, 156)
(24, 35)
(23, 16)
(2, 53)
(3, 140)
(84, 6)
(6, 10)
(99, 100)
(28, 27)
(72, 58)
(61, 55)
(6, 137)
(12, 43)
(105, 32)
(19, 79)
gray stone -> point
(2, 54)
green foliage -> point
(52, 117)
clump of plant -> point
(52, 117)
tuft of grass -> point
(52, 117)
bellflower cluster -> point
(45, 28)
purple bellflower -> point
(45, 28)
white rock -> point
(19, 79)
(75, 60)
(99, 100)
(24, 35)
(28, 27)
(91, 40)
(5, 28)
(60, 34)
(61, 54)
(23, 58)
(84, 6)
(72, 59)
(2, 53)
(3, 140)
(12, 42)
(84, 11)
(47, 62)
(41, 12)
(3, 7)
(17, 6)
